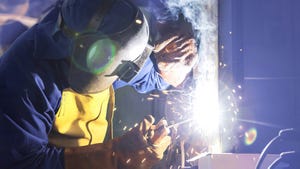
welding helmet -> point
(111, 45)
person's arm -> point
(169, 64)
(30, 93)
(27, 110)
(146, 80)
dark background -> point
(261, 49)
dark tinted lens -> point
(93, 54)
(100, 55)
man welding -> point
(56, 93)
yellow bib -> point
(82, 119)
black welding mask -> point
(112, 44)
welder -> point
(56, 93)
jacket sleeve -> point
(23, 132)
(28, 101)
(146, 80)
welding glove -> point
(140, 148)
(175, 57)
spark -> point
(232, 104)
(138, 21)
(180, 123)
(154, 95)
(128, 161)
(150, 98)
(169, 102)
(165, 92)
(192, 150)
(259, 123)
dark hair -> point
(179, 26)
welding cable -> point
(284, 135)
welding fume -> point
(58, 80)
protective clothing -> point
(34, 73)
(130, 151)
(80, 118)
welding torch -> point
(179, 123)
(155, 133)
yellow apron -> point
(83, 119)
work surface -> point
(233, 161)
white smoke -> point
(203, 16)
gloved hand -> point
(140, 148)
(175, 57)
(143, 146)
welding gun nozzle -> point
(179, 123)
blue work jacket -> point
(33, 74)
